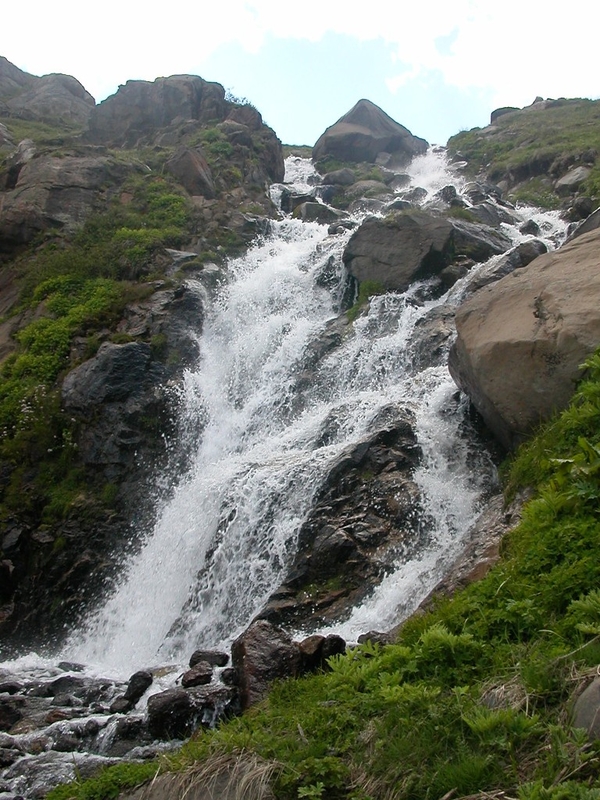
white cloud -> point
(514, 49)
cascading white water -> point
(224, 540)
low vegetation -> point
(74, 291)
(536, 142)
(474, 698)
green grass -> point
(527, 142)
(75, 288)
(474, 696)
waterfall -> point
(225, 538)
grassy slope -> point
(475, 695)
(527, 143)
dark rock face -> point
(176, 713)
(365, 517)
(261, 654)
(405, 246)
(365, 132)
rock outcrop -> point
(408, 245)
(522, 340)
(52, 98)
(367, 133)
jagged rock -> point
(403, 247)
(140, 108)
(362, 520)
(521, 340)
(365, 132)
(191, 169)
(589, 224)
(530, 228)
(290, 201)
(261, 654)
(10, 712)
(213, 657)
(492, 214)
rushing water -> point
(224, 540)
(269, 418)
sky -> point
(436, 67)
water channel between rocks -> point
(272, 423)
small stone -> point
(214, 657)
(199, 675)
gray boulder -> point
(521, 340)
(140, 108)
(365, 132)
(407, 246)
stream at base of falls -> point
(226, 537)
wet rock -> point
(289, 201)
(492, 214)
(10, 687)
(260, 655)
(11, 711)
(530, 228)
(340, 177)
(137, 685)
(70, 666)
(121, 705)
(176, 713)
(362, 520)
(406, 246)
(317, 212)
(215, 658)
(522, 255)
(199, 675)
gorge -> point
(269, 431)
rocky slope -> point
(112, 240)
(114, 221)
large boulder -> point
(45, 191)
(365, 132)
(260, 655)
(140, 108)
(521, 340)
(405, 246)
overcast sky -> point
(437, 67)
